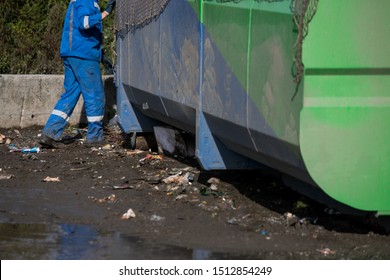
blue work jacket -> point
(82, 32)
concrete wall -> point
(28, 100)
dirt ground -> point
(237, 214)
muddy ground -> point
(174, 204)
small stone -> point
(129, 214)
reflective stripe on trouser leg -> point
(59, 118)
(91, 84)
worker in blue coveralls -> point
(81, 51)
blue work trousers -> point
(81, 77)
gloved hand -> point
(110, 6)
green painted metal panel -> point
(349, 34)
(345, 118)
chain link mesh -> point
(132, 14)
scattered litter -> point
(203, 191)
(32, 150)
(291, 219)
(178, 179)
(214, 181)
(228, 203)
(13, 148)
(264, 232)
(308, 220)
(208, 208)
(172, 188)
(110, 198)
(190, 177)
(232, 221)
(30, 156)
(213, 187)
(156, 218)
(6, 177)
(151, 157)
(123, 187)
(129, 214)
(17, 133)
(288, 215)
(51, 179)
(239, 219)
(212, 190)
(181, 196)
(107, 147)
(78, 169)
(301, 205)
(173, 178)
(247, 216)
(326, 251)
(5, 140)
(195, 190)
(135, 152)
(185, 179)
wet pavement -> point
(114, 203)
(75, 242)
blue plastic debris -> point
(264, 232)
(13, 148)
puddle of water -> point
(76, 242)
